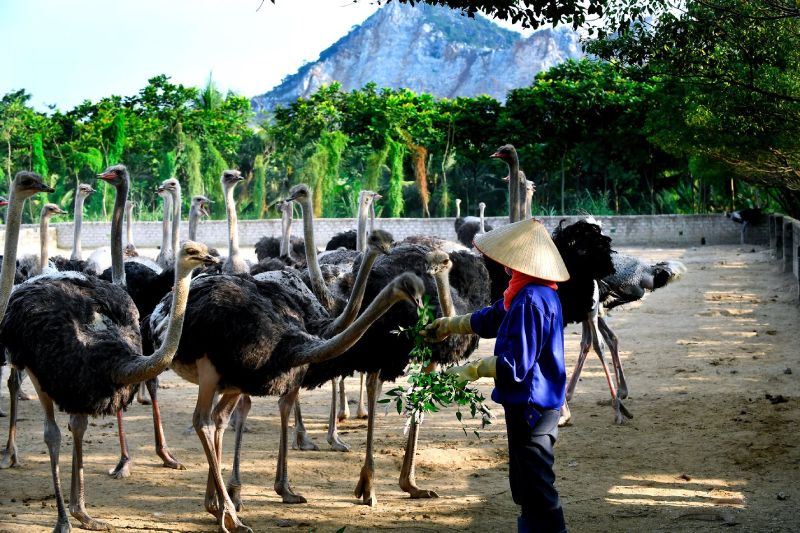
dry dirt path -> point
(707, 447)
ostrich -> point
(468, 230)
(264, 348)
(98, 361)
(196, 212)
(164, 254)
(25, 185)
(530, 188)
(632, 279)
(460, 221)
(75, 261)
(130, 247)
(234, 263)
(746, 217)
(349, 239)
(32, 265)
(290, 252)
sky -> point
(65, 51)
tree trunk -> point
(419, 156)
(563, 179)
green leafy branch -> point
(430, 391)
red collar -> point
(520, 280)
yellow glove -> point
(482, 368)
(443, 327)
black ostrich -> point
(254, 336)
(291, 252)
(751, 216)
(349, 239)
(99, 360)
(632, 279)
(25, 185)
(459, 221)
(469, 229)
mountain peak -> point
(431, 49)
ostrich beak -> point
(377, 196)
(418, 301)
(46, 188)
(106, 176)
(3, 202)
(61, 212)
(496, 155)
(209, 259)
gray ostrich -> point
(33, 265)
(130, 247)
(255, 336)
(197, 210)
(469, 229)
(165, 252)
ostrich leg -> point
(361, 412)
(2, 413)
(586, 345)
(613, 345)
(333, 434)
(365, 489)
(408, 481)
(140, 397)
(221, 506)
(158, 429)
(123, 468)
(77, 504)
(301, 439)
(235, 481)
(221, 414)
(344, 408)
(282, 487)
(616, 402)
(52, 438)
(9, 456)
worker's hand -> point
(443, 327)
(482, 368)
(464, 373)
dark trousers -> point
(530, 469)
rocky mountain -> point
(428, 49)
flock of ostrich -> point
(91, 333)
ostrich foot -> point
(230, 523)
(344, 411)
(289, 496)
(566, 416)
(361, 412)
(235, 494)
(619, 411)
(141, 397)
(26, 397)
(337, 444)
(169, 460)
(622, 391)
(62, 526)
(8, 459)
(87, 522)
(303, 442)
(416, 493)
(365, 489)
(122, 470)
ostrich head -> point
(51, 210)
(200, 203)
(298, 192)
(85, 190)
(194, 254)
(162, 191)
(230, 178)
(481, 206)
(170, 185)
(116, 175)
(380, 240)
(27, 184)
(409, 287)
(507, 152)
(458, 202)
(438, 262)
(3, 201)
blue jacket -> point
(529, 347)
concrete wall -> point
(784, 240)
(658, 230)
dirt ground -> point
(712, 367)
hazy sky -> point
(65, 51)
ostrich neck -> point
(513, 189)
(528, 200)
(353, 306)
(318, 286)
(458, 209)
(233, 221)
(165, 243)
(77, 252)
(44, 242)
(372, 216)
(482, 227)
(138, 369)
(361, 235)
(194, 215)
(443, 291)
(176, 221)
(129, 225)
(13, 221)
(346, 339)
(117, 266)
(286, 230)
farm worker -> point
(528, 365)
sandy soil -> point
(707, 448)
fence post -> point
(788, 234)
(778, 237)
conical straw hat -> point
(525, 246)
